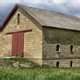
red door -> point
(18, 44)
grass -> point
(35, 73)
(9, 61)
(10, 73)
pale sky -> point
(68, 7)
(65, 6)
(71, 7)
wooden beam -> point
(30, 30)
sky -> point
(69, 7)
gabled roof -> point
(48, 18)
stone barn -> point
(43, 36)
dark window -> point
(57, 64)
(71, 63)
(57, 48)
(71, 48)
(18, 18)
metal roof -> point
(53, 19)
(49, 18)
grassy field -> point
(39, 74)
(8, 72)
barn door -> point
(18, 44)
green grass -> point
(35, 73)
(9, 61)
(39, 74)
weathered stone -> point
(25, 65)
(16, 64)
(32, 40)
(54, 37)
(40, 43)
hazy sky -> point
(69, 7)
(66, 6)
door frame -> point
(10, 33)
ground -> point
(10, 73)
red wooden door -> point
(18, 44)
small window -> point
(71, 48)
(57, 48)
(71, 63)
(57, 64)
(18, 18)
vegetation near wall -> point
(39, 74)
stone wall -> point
(63, 63)
(32, 39)
(63, 38)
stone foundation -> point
(63, 63)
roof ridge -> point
(56, 12)
(47, 17)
